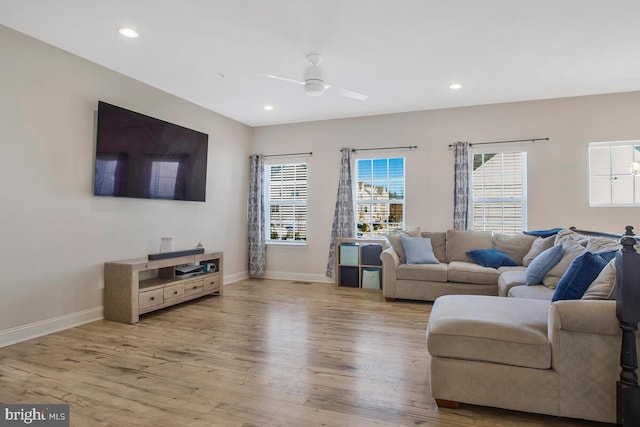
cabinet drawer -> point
(212, 283)
(193, 287)
(150, 298)
(173, 292)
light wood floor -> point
(267, 353)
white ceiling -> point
(402, 53)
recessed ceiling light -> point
(128, 32)
(455, 86)
(268, 107)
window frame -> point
(362, 235)
(613, 177)
(523, 199)
(267, 200)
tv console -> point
(136, 286)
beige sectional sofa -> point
(456, 273)
(558, 358)
(527, 353)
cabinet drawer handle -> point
(175, 292)
(152, 298)
(195, 287)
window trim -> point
(267, 188)
(387, 202)
(636, 181)
(524, 186)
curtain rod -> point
(310, 153)
(504, 142)
(410, 147)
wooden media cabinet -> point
(137, 286)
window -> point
(500, 192)
(614, 173)
(287, 202)
(379, 196)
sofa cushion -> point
(571, 250)
(418, 250)
(538, 246)
(583, 270)
(509, 279)
(604, 287)
(438, 243)
(459, 242)
(510, 268)
(491, 258)
(468, 272)
(514, 245)
(531, 292)
(565, 235)
(424, 272)
(542, 264)
(508, 331)
(595, 244)
(396, 243)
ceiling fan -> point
(313, 83)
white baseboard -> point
(301, 277)
(236, 277)
(280, 275)
(66, 321)
(48, 326)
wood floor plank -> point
(267, 353)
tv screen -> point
(143, 157)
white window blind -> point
(500, 192)
(287, 202)
(611, 178)
(380, 208)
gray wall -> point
(558, 187)
(55, 235)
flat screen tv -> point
(143, 157)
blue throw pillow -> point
(418, 250)
(607, 254)
(491, 258)
(540, 266)
(581, 272)
(543, 233)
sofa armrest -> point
(585, 339)
(390, 262)
(584, 316)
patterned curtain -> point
(461, 186)
(343, 217)
(257, 247)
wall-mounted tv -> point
(143, 157)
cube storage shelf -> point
(137, 286)
(358, 263)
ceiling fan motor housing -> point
(314, 87)
(313, 83)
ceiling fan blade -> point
(347, 93)
(284, 79)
